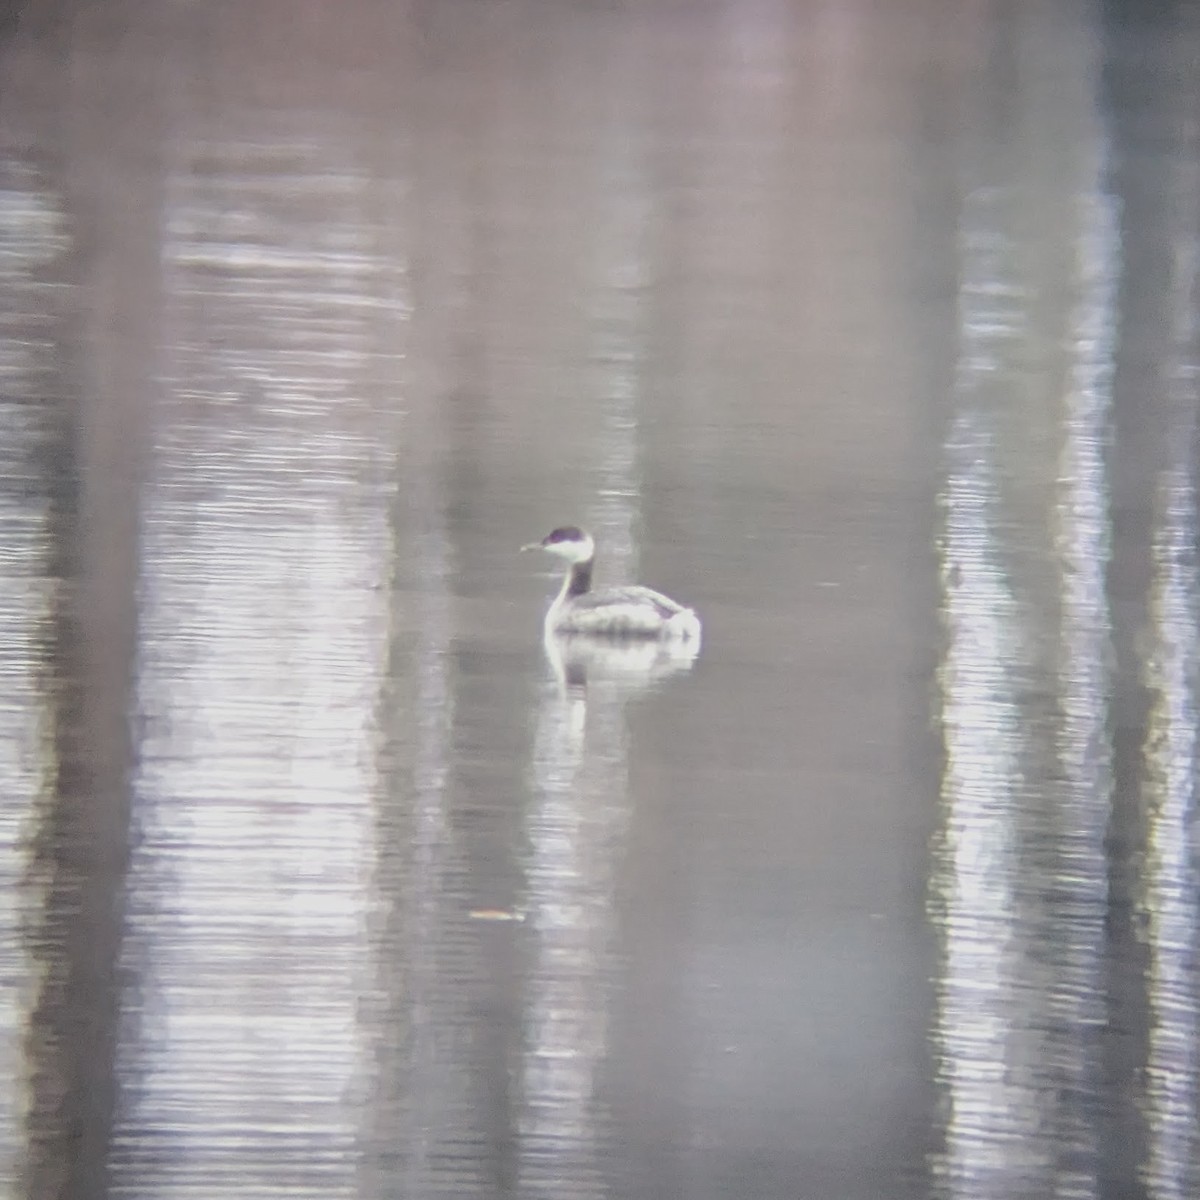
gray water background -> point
(868, 329)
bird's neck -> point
(578, 580)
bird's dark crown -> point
(564, 533)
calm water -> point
(869, 329)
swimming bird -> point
(630, 612)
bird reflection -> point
(631, 665)
(576, 833)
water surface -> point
(869, 331)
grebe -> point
(609, 612)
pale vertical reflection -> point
(1171, 879)
(1084, 687)
(440, 1096)
(568, 903)
(577, 825)
(978, 1004)
(1021, 880)
(32, 237)
(616, 316)
(262, 645)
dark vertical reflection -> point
(38, 521)
(1170, 884)
(428, 1134)
(757, 929)
(1140, 116)
(430, 1129)
(1155, 989)
(1020, 879)
(90, 399)
(81, 840)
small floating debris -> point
(495, 914)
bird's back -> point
(629, 611)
